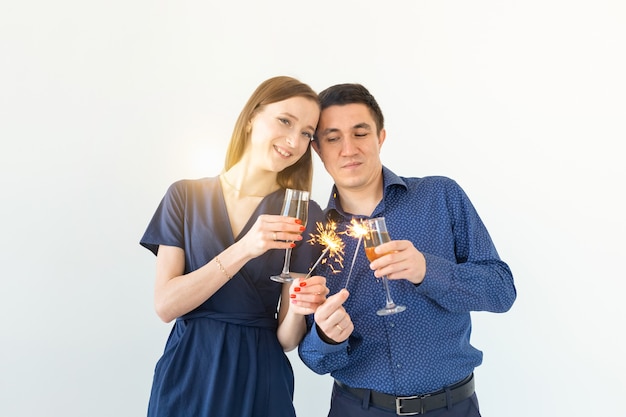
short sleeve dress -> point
(223, 358)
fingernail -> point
(293, 245)
(302, 228)
(297, 289)
(298, 221)
(292, 295)
(302, 284)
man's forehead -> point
(348, 116)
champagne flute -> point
(296, 204)
(377, 235)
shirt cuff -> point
(323, 347)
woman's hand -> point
(299, 298)
(307, 295)
(271, 232)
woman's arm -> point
(176, 294)
(299, 298)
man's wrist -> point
(325, 338)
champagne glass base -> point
(392, 309)
(282, 278)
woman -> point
(217, 241)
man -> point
(441, 265)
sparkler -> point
(328, 237)
(356, 229)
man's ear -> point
(381, 137)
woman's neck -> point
(244, 182)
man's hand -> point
(400, 260)
(332, 320)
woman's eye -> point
(308, 135)
(284, 121)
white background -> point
(104, 104)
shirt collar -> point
(334, 209)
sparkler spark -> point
(356, 229)
(327, 236)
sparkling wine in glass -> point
(377, 235)
(296, 204)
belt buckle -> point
(412, 397)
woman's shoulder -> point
(315, 210)
(189, 185)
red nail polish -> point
(293, 245)
(292, 295)
(302, 284)
(302, 228)
(297, 289)
(298, 221)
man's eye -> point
(360, 134)
(332, 139)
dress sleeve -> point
(167, 224)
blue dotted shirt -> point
(427, 346)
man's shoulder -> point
(393, 178)
(431, 181)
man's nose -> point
(349, 147)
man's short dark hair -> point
(342, 94)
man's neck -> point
(362, 201)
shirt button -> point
(398, 366)
(392, 325)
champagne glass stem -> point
(287, 261)
(390, 306)
(390, 303)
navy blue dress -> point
(223, 358)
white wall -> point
(104, 104)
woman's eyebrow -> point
(296, 119)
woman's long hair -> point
(298, 175)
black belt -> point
(415, 404)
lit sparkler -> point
(356, 229)
(328, 237)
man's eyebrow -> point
(362, 126)
(329, 130)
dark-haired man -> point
(441, 263)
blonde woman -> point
(217, 241)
